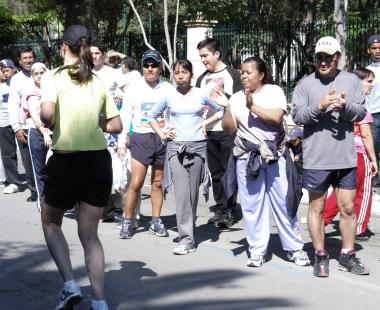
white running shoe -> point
(184, 249)
(256, 261)
(299, 257)
(11, 189)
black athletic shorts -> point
(80, 176)
(147, 148)
(319, 181)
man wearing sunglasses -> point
(327, 103)
(145, 145)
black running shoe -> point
(225, 221)
(69, 299)
(349, 262)
(215, 218)
(321, 264)
(362, 237)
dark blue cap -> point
(7, 63)
(373, 39)
(151, 56)
(295, 133)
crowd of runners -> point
(95, 126)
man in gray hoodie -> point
(327, 103)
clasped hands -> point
(333, 99)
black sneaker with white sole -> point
(321, 264)
(349, 262)
(68, 300)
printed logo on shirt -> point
(211, 83)
(145, 108)
(217, 81)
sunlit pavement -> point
(142, 273)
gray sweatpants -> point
(186, 181)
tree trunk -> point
(167, 35)
(341, 30)
(175, 33)
(144, 33)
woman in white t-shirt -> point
(256, 116)
(39, 137)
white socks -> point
(71, 286)
(98, 305)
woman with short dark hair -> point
(186, 151)
(260, 161)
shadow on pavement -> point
(26, 283)
(22, 283)
(136, 287)
(243, 247)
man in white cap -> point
(327, 103)
(373, 101)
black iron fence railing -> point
(287, 47)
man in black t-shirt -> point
(219, 144)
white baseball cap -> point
(328, 45)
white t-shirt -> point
(230, 84)
(249, 125)
(17, 87)
(110, 77)
(138, 101)
(129, 78)
(374, 98)
(4, 115)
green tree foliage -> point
(9, 31)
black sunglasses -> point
(327, 59)
(152, 65)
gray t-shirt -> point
(328, 141)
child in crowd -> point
(295, 144)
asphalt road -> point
(142, 273)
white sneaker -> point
(135, 223)
(256, 261)
(11, 189)
(299, 257)
(70, 211)
(184, 249)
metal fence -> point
(132, 44)
(287, 46)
